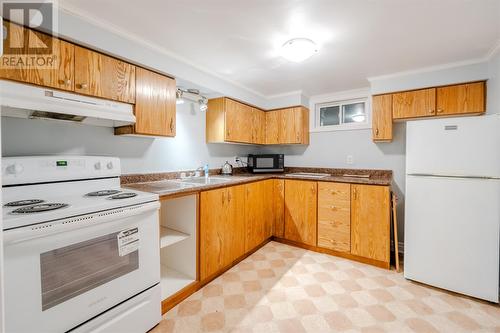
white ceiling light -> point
(203, 104)
(298, 49)
(358, 118)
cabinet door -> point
(370, 222)
(212, 231)
(294, 127)
(259, 208)
(154, 104)
(258, 126)
(234, 224)
(273, 122)
(382, 117)
(279, 207)
(238, 122)
(334, 216)
(461, 99)
(102, 76)
(300, 211)
(59, 70)
(414, 104)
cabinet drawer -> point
(335, 234)
(333, 191)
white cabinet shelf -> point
(172, 281)
(170, 236)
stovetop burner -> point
(23, 202)
(124, 195)
(102, 193)
(39, 208)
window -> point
(349, 114)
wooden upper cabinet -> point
(154, 104)
(370, 222)
(461, 99)
(231, 121)
(259, 213)
(334, 216)
(382, 117)
(414, 104)
(294, 125)
(238, 122)
(103, 76)
(57, 68)
(273, 123)
(301, 211)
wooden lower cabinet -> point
(259, 207)
(300, 211)
(334, 216)
(370, 222)
(279, 208)
(222, 228)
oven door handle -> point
(108, 217)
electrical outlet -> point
(350, 159)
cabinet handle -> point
(440, 111)
(223, 197)
(354, 194)
(333, 207)
(376, 131)
(82, 86)
(229, 197)
(431, 111)
(171, 124)
(66, 82)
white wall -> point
(493, 104)
(187, 150)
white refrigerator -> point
(452, 204)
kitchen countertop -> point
(160, 184)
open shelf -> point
(172, 281)
(170, 236)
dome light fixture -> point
(358, 117)
(298, 49)
(203, 104)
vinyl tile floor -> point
(285, 289)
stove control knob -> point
(15, 169)
(109, 165)
(97, 166)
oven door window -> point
(75, 269)
(265, 163)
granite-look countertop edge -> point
(145, 182)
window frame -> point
(340, 99)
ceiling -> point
(239, 39)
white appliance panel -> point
(33, 263)
(465, 146)
(452, 234)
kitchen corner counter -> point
(160, 183)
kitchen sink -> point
(204, 181)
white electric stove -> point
(81, 253)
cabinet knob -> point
(376, 131)
(333, 207)
(440, 110)
(82, 86)
(66, 82)
(431, 111)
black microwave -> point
(266, 163)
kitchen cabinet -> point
(259, 213)
(155, 106)
(231, 121)
(287, 126)
(102, 76)
(300, 211)
(279, 208)
(461, 99)
(60, 62)
(382, 117)
(334, 216)
(414, 104)
(370, 222)
(222, 228)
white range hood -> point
(32, 102)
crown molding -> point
(87, 17)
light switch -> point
(350, 159)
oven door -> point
(60, 274)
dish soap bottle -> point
(206, 170)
